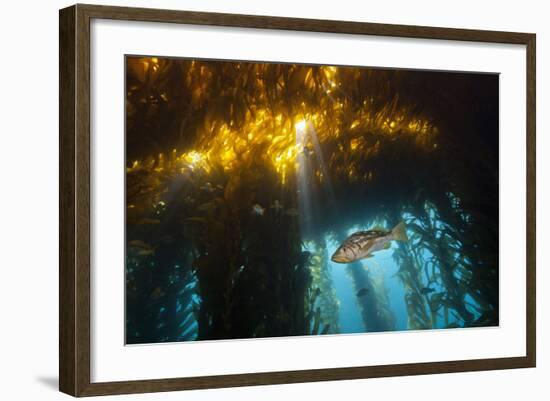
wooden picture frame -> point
(74, 206)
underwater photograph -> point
(278, 199)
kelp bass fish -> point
(362, 244)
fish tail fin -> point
(399, 232)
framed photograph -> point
(251, 200)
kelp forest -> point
(243, 179)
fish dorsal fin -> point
(358, 235)
(378, 227)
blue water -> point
(389, 288)
(381, 264)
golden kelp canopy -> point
(236, 111)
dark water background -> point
(243, 178)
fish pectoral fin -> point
(399, 232)
(387, 245)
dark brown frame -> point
(74, 204)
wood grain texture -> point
(300, 24)
(531, 229)
(74, 199)
(302, 376)
(67, 99)
(82, 193)
(74, 289)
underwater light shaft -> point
(303, 178)
(310, 167)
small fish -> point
(362, 244)
(426, 290)
(258, 210)
(362, 292)
(292, 212)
